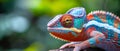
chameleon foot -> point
(72, 44)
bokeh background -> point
(23, 23)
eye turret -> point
(67, 21)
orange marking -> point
(102, 17)
(90, 17)
(89, 30)
(116, 23)
(97, 41)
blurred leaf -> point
(53, 7)
(34, 47)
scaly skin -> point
(98, 28)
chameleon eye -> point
(67, 20)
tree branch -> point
(87, 49)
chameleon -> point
(97, 28)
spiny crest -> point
(77, 12)
(104, 13)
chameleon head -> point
(68, 26)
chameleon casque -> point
(99, 28)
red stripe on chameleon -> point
(116, 23)
(90, 30)
(90, 17)
(70, 37)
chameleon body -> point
(99, 28)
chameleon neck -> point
(83, 35)
(78, 23)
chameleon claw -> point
(72, 44)
(77, 48)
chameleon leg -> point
(96, 37)
(71, 44)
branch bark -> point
(66, 49)
(87, 49)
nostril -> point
(48, 28)
(51, 24)
(48, 25)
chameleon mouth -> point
(62, 34)
(68, 37)
(55, 32)
(59, 30)
(58, 37)
(63, 30)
